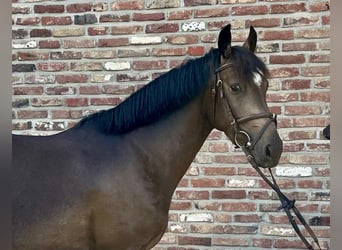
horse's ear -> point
(224, 41)
(251, 41)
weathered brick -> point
(139, 52)
(96, 31)
(152, 64)
(301, 21)
(54, 20)
(308, 46)
(99, 54)
(127, 5)
(277, 35)
(60, 90)
(64, 32)
(20, 10)
(262, 243)
(313, 33)
(32, 56)
(65, 55)
(192, 195)
(196, 50)
(85, 19)
(86, 66)
(162, 28)
(182, 39)
(115, 18)
(19, 34)
(22, 125)
(99, 7)
(28, 21)
(79, 43)
(319, 6)
(21, 67)
(20, 103)
(152, 4)
(168, 51)
(146, 40)
(52, 66)
(49, 126)
(46, 102)
(133, 29)
(229, 241)
(264, 22)
(30, 114)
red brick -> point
(146, 65)
(79, 43)
(313, 33)
(96, 31)
(187, 240)
(229, 241)
(258, 195)
(77, 78)
(28, 21)
(316, 71)
(117, 90)
(295, 84)
(183, 39)
(218, 170)
(60, 114)
(239, 207)
(302, 46)
(230, 159)
(31, 114)
(75, 8)
(51, 20)
(60, 90)
(293, 244)
(303, 110)
(287, 59)
(180, 15)
(162, 28)
(113, 101)
(286, 97)
(168, 52)
(52, 66)
(192, 195)
(76, 102)
(319, 6)
(207, 182)
(48, 8)
(148, 16)
(310, 184)
(117, 30)
(211, 12)
(287, 8)
(317, 58)
(196, 50)
(40, 33)
(229, 194)
(89, 90)
(180, 205)
(264, 22)
(262, 243)
(112, 42)
(115, 18)
(249, 10)
(277, 35)
(49, 44)
(199, 2)
(284, 72)
(33, 55)
(65, 55)
(247, 218)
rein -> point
(286, 204)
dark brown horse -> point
(107, 183)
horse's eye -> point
(235, 87)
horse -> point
(107, 182)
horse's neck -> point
(171, 144)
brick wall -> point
(71, 58)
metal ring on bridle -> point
(247, 144)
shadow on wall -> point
(326, 132)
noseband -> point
(248, 147)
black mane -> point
(158, 98)
(170, 91)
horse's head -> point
(238, 100)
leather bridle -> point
(248, 147)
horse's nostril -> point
(268, 150)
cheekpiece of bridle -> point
(244, 141)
